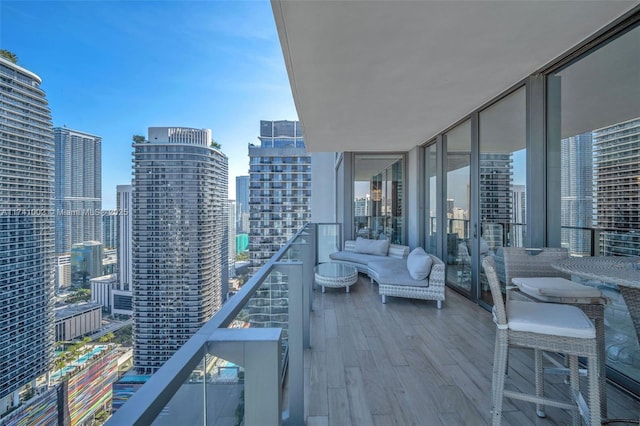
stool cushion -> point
(554, 319)
(555, 287)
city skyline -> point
(122, 86)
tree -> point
(9, 55)
(138, 138)
(215, 144)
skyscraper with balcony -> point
(279, 188)
(179, 250)
(78, 188)
(616, 171)
(496, 196)
(26, 231)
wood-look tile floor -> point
(408, 363)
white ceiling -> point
(389, 75)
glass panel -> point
(503, 176)
(596, 103)
(379, 197)
(431, 228)
(192, 395)
(328, 240)
(268, 308)
(458, 206)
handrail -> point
(147, 403)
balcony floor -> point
(408, 363)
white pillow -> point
(419, 264)
(367, 246)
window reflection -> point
(379, 197)
(596, 103)
(458, 207)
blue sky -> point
(114, 68)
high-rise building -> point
(519, 216)
(27, 230)
(280, 188)
(179, 250)
(109, 229)
(280, 192)
(124, 210)
(576, 192)
(78, 187)
(496, 197)
(242, 204)
(232, 232)
(616, 167)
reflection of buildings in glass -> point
(86, 262)
(459, 223)
(616, 182)
(496, 196)
(576, 192)
(362, 206)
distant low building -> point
(78, 320)
(105, 291)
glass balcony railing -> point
(235, 368)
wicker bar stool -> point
(543, 327)
(520, 262)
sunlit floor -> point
(408, 363)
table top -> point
(622, 271)
(335, 270)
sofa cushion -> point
(394, 272)
(419, 264)
(367, 246)
(352, 256)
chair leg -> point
(575, 386)
(594, 390)
(499, 367)
(539, 372)
(439, 304)
(384, 298)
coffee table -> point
(335, 275)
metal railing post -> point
(294, 271)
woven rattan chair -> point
(543, 327)
(520, 262)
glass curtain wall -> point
(594, 115)
(431, 185)
(503, 175)
(458, 207)
(379, 197)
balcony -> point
(349, 360)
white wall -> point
(323, 185)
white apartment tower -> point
(78, 188)
(26, 232)
(125, 232)
(179, 254)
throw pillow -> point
(367, 246)
(419, 264)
